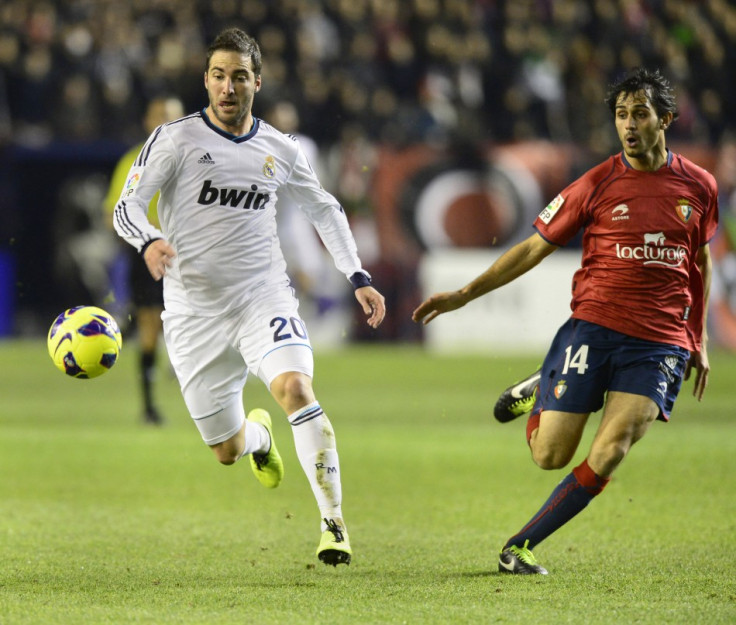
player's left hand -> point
(373, 304)
(699, 362)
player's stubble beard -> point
(234, 120)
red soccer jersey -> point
(641, 235)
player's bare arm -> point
(373, 304)
(699, 360)
(512, 264)
(158, 256)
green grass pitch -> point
(107, 521)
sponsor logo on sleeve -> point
(551, 209)
(131, 184)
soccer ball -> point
(84, 342)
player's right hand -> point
(158, 257)
(438, 304)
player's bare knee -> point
(294, 391)
(550, 458)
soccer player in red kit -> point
(639, 302)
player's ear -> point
(666, 120)
(258, 83)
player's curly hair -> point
(236, 40)
(656, 86)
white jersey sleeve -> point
(152, 168)
(325, 213)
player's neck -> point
(237, 130)
(651, 160)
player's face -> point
(640, 130)
(231, 85)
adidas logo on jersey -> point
(206, 159)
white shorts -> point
(212, 357)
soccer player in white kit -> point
(229, 306)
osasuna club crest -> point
(560, 388)
(684, 210)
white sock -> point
(257, 439)
(314, 440)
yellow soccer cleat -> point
(518, 399)
(268, 467)
(519, 561)
(334, 547)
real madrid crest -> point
(269, 167)
(684, 210)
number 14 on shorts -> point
(578, 360)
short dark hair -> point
(235, 40)
(657, 87)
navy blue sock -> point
(570, 496)
(147, 369)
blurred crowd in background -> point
(369, 79)
(402, 71)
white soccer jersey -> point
(217, 209)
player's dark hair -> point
(657, 87)
(235, 40)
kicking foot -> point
(518, 399)
(268, 467)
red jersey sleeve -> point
(569, 212)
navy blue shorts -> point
(587, 360)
